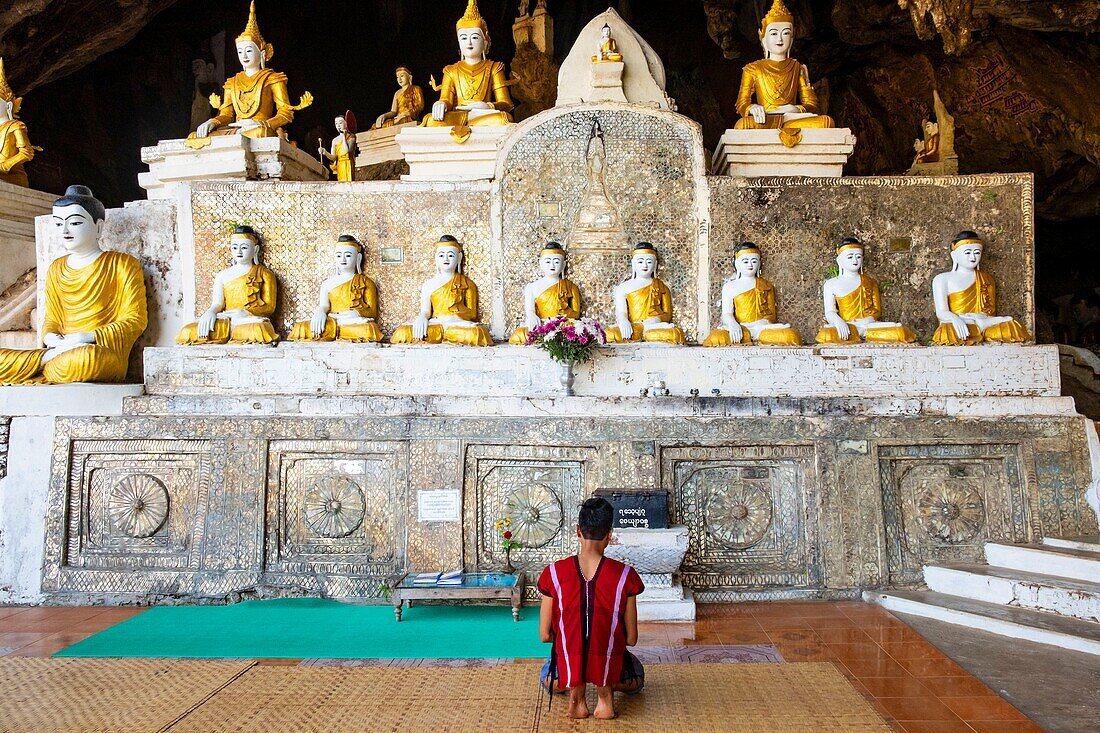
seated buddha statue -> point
(550, 296)
(775, 91)
(643, 303)
(348, 304)
(608, 49)
(448, 304)
(255, 102)
(748, 306)
(95, 305)
(408, 102)
(15, 144)
(853, 304)
(242, 301)
(474, 90)
(966, 301)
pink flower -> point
(583, 339)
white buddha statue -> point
(643, 303)
(550, 296)
(606, 49)
(448, 304)
(242, 300)
(748, 306)
(966, 301)
(347, 307)
(853, 304)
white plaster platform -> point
(68, 400)
(657, 554)
(757, 153)
(18, 208)
(346, 370)
(379, 146)
(226, 158)
(433, 155)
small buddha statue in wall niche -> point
(550, 296)
(748, 306)
(343, 149)
(608, 49)
(348, 302)
(448, 304)
(15, 143)
(643, 303)
(242, 301)
(408, 102)
(853, 304)
(966, 300)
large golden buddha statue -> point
(749, 311)
(348, 303)
(550, 296)
(643, 303)
(242, 301)
(474, 90)
(853, 304)
(255, 102)
(15, 144)
(95, 305)
(448, 304)
(966, 301)
(775, 91)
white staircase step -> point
(1046, 560)
(1017, 623)
(1088, 543)
(1064, 596)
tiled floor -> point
(911, 683)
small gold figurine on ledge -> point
(853, 304)
(643, 303)
(15, 144)
(748, 305)
(608, 50)
(348, 304)
(343, 149)
(550, 296)
(408, 102)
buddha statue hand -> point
(843, 330)
(736, 331)
(957, 323)
(759, 114)
(206, 128)
(476, 105)
(626, 328)
(420, 328)
(245, 125)
(401, 119)
(318, 322)
(439, 111)
(206, 323)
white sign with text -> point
(439, 505)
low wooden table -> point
(474, 586)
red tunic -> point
(587, 622)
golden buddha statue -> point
(550, 296)
(474, 90)
(448, 304)
(748, 306)
(348, 304)
(15, 144)
(775, 91)
(95, 305)
(928, 149)
(966, 301)
(853, 304)
(408, 102)
(643, 303)
(608, 49)
(242, 301)
(343, 149)
(255, 102)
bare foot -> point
(605, 704)
(578, 706)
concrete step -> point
(1071, 598)
(1088, 543)
(1017, 623)
(1045, 560)
(19, 340)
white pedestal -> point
(228, 157)
(379, 146)
(607, 82)
(433, 155)
(656, 554)
(18, 208)
(756, 153)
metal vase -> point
(567, 378)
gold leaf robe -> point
(358, 295)
(652, 301)
(864, 302)
(560, 299)
(262, 98)
(980, 297)
(485, 81)
(457, 297)
(756, 304)
(15, 150)
(256, 292)
(774, 84)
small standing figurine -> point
(748, 306)
(448, 304)
(408, 102)
(242, 302)
(853, 304)
(15, 144)
(608, 49)
(95, 306)
(550, 296)
(966, 301)
(643, 303)
(343, 149)
(348, 304)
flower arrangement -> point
(506, 542)
(568, 340)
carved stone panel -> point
(749, 512)
(942, 503)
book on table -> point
(452, 577)
(425, 578)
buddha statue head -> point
(448, 255)
(552, 260)
(605, 33)
(9, 103)
(473, 34)
(349, 255)
(777, 32)
(78, 217)
(404, 77)
(747, 261)
(849, 255)
(643, 261)
(244, 246)
(966, 251)
(252, 51)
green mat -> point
(313, 627)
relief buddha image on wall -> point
(598, 226)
